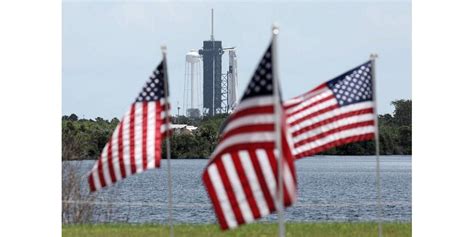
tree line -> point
(85, 138)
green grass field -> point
(258, 229)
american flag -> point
(241, 176)
(337, 112)
(135, 144)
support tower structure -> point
(218, 89)
(212, 59)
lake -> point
(330, 188)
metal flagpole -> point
(377, 149)
(168, 134)
(277, 108)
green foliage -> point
(201, 142)
(85, 139)
(402, 113)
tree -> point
(404, 135)
(85, 138)
(73, 117)
(402, 118)
(100, 120)
(386, 119)
(73, 141)
(402, 113)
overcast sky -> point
(110, 48)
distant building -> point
(193, 113)
(183, 128)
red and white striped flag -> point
(241, 176)
(135, 144)
(338, 112)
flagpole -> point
(277, 108)
(377, 149)
(168, 154)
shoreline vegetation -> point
(327, 229)
(83, 139)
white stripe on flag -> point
(105, 165)
(330, 114)
(115, 155)
(249, 120)
(334, 137)
(162, 102)
(311, 110)
(254, 102)
(250, 137)
(138, 136)
(163, 127)
(222, 196)
(253, 181)
(95, 176)
(163, 114)
(267, 171)
(237, 188)
(126, 143)
(333, 125)
(304, 97)
(311, 100)
(150, 136)
(289, 181)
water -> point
(332, 188)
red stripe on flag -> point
(274, 163)
(261, 180)
(248, 129)
(315, 103)
(267, 109)
(91, 183)
(289, 159)
(158, 136)
(357, 138)
(215, 201)
(110, 161)
(132, 140)
(229, 190)
(290, 104)
(244, 146)
(320, 87)
(303, 97)
(287, 199)
(332, 119)
(120, 151)
(245, 185)
(100, 170)
(144, 134)
(332, 131)
(319, 112)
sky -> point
(109, 49)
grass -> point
(256, 229)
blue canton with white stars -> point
(262, 80)
(154, 88)
(353, 86)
